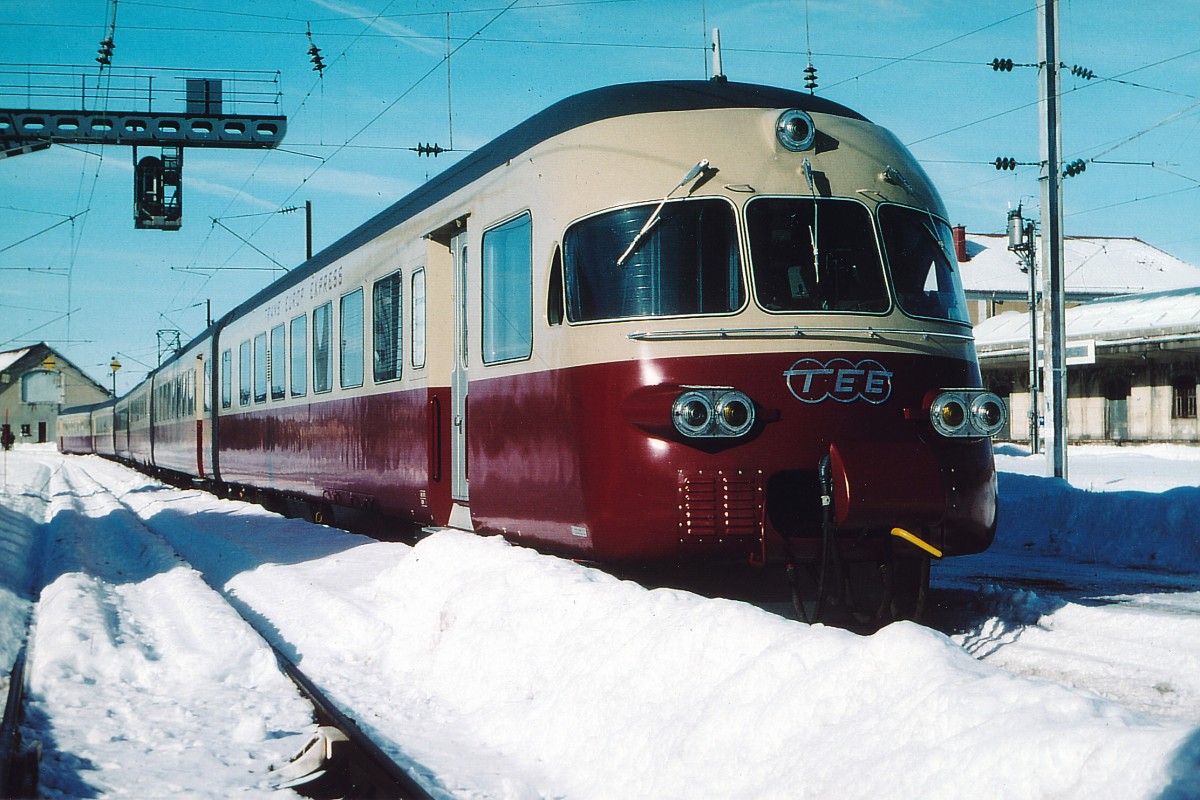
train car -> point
(134, 443)
(104, 429)
(181, 400)
(656, 322)
(121, 449)
(75, 432)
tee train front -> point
(656, 322)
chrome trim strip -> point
(794, 332)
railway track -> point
(340, 760)
(18, 759)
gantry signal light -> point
(105, 51)
(1074, 168)
(1002, 64)
(1003, 163)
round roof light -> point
(795, 130)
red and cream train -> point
(656, 322)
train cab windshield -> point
(685, 264)
(815, 255)
(924, 268)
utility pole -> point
(1021, 242)
(1052, 236)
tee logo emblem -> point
(810, 381)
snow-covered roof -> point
(10, 357)
(1095, 266)
(1138, 316)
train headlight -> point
(795, 130)
(967, 413)
(713, 412)
(693, 414)
(735, 413)
(988, 414)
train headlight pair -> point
(967, 413)
(711, 413)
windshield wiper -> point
(637, 239)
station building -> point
(36, 382)
(1133, 337)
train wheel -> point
(881, 591)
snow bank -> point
(1106, 521)
(564, 681)
(503, 673)
(143, 682)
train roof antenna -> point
(718, 71)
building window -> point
(278, 359)
(322, 348)
(299, 354)
(507, 291)
(352, 339)
(1183, 397)
(245, 369)
(418, 318)
(387, 331)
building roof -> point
(1096, 266)
(10, 357)
(1150, 316)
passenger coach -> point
(655, 322)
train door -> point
(458, 377)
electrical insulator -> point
(1005, 163)
(1074, 168)
(1002, 64)
(1082, 72)
(428, 149)
(105, 51)
(314, 53)
(810, 77)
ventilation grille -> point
(719, 503)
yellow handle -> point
(918, 541)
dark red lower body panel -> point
(586, 461)
(382, 452)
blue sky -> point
(75, 272)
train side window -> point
(323, 348)
(507, 265)
(206, 389)
(351, 353)
(387, 331)
(227, 379)
(920, 252)
(244, 372)
(260, 368)
(554, 292)
(299, 356)
(418, 319)
(277, 361)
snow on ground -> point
(502, 673)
